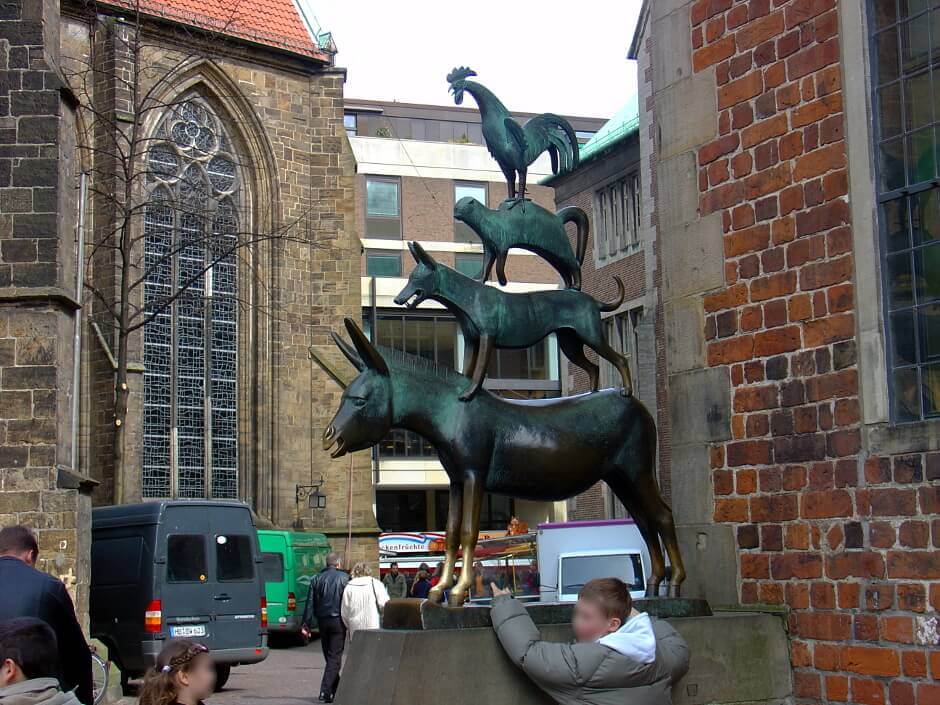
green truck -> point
(291, 559)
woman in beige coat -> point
(363, 600)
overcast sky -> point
(564, 57)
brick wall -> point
(847, 541)
(599, 282)
(38, 485)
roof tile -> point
(274, 23)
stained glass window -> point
(190, 289)
(905, 52)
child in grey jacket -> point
(621, 655)
(29, 664)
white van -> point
(574, 552)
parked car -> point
(169, 569)
(291, 559)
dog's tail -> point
(573, 214)
(614, 305)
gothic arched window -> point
(191, 225)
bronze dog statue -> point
(530, 227)
(491, 318)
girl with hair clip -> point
(184, 675)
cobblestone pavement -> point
(288, 676)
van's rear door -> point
(238, 584)
(186, 593)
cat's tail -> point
(614, 305)
(573, 214)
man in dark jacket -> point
(28, 592)
(324, 600)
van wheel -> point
(222, 672)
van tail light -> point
(291, 602)
(153, 617)
(264, 612)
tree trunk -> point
(120, 417)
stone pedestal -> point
(736, 657)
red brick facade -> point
(848, 541)
(578, 189)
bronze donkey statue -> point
(542, 450)
(491, 318)
(528, 227)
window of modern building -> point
(519, 374)
(383, 207)
(583, 136)
(409, 510)
(495, 513)
(430, 336)
(383, 264)
(462, 189)
(616, 217)
(469, 263)
(620, 333)
(190, 351)
(905, 51)
(401, 510)
(634, 208)
(349, 122)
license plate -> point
(188, 631)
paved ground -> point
(288, 676)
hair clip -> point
(167, 669)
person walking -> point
(395, 583)
(324, 602)
(28, 592)
(363, 600)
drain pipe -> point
(77, 343)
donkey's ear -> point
(367, 352)
(421, 256)
(348, 350)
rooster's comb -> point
(459, 73)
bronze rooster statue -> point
(512, 145)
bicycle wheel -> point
(100, 672)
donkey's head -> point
(423, 279)
(364, 416)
